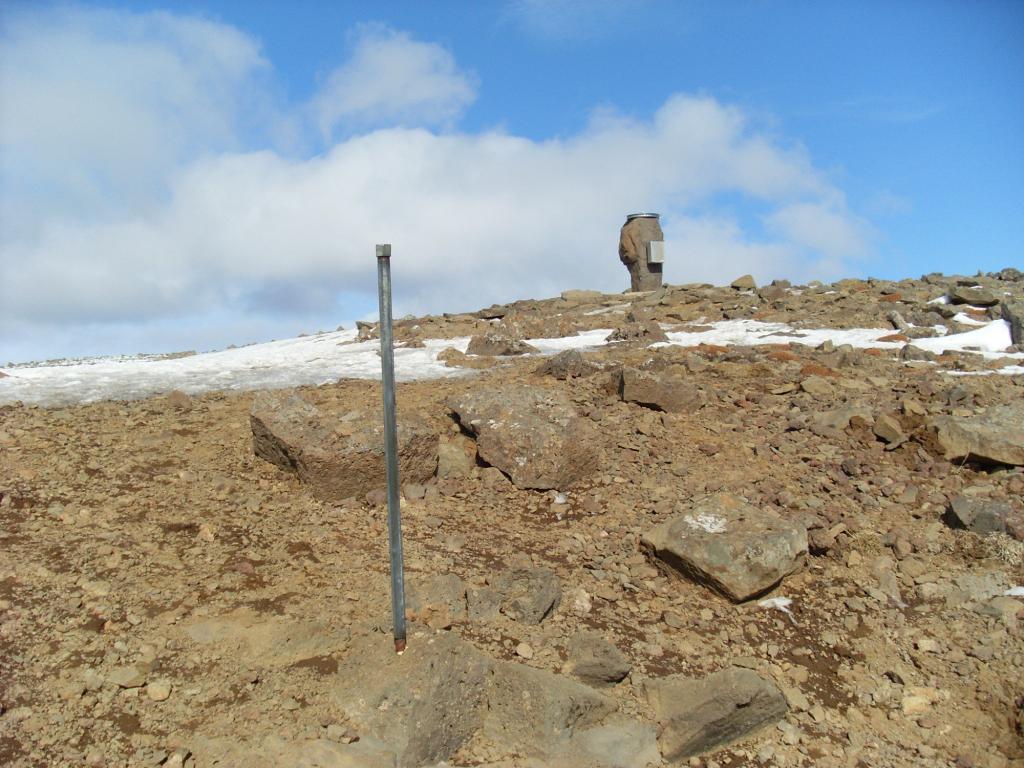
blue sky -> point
(191, 175)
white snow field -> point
(327, 357)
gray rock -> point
(497, 343)
(534, 436)
(1013, 313)
(983, 516)
(744, 283)
(974, 295)
(816, 386)
(995, 436)
(528, 595)
(537, 712)
(633, 239)
(700, 715)
(596, 661)
(132, 676)
(423, 704)
(456, 456)
(735, 548)
(888, 429)
(643, 331)
(582, 297)
(567, 365)
(629, 744)
(336, 460)
(441, 593)
(910, 353)
(662, 390)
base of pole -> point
(399, 645)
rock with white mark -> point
(737, 549)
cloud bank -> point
(143, 205)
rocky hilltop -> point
(801, 550)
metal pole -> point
(387, 364)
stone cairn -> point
(639, 230)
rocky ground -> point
(636, 556)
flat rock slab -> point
(255, 639)
(423, 704)
(537, 712)
(528, 595)
(735, 548)
(698, 715)
(985, 516)
(995, 436)
(596, 661)
(336, 458)
(663, 391)
(534, 436)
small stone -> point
(128, 677)
(524, 650)
(159, 690)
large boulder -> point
(336, 459)
(534, 436)
(662, 390)
(974, 295)
(633, 239)
(1013, 314)
(423, 704)
(995, 436)
(698, 715)
(737, 549)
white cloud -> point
(98, 108)
(822, 226)
(393, 79)
(571, 19)
(260, 239)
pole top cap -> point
(384, 251)
(642, 215)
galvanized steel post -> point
(387, 364)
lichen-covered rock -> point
(534, 436)
(737, 549)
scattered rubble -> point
(200, 579)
